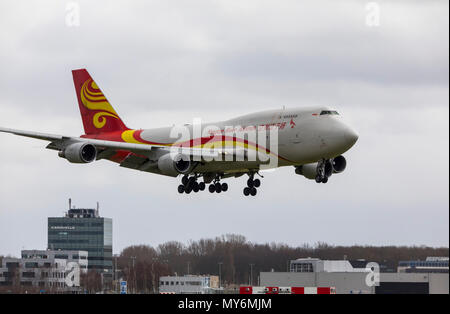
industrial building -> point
(430, 265)
(84, 229)
(349, 280)
(45, 270)
(315, 265)
(189, 284)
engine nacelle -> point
(79, 153)
(174, 164)
(339, 164)
(310, 171)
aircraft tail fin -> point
(97, 113)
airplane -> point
(311, 140)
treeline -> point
(237, 258)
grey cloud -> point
(164, 62)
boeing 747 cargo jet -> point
(311, 140)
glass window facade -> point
(92, 234)
(424, 266)
(302, 267)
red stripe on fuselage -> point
(117, 137)
(201, 141)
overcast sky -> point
(165, 62)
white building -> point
(430, 265)
(43, 269)
(356, 282)
(188, 284)
(313, 272)
(315, 265)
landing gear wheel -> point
(212, 188)
(257, 183)
(325, 180)
(318, 179)
(195, 187)
(218, 187)
(187, 190)
(181, 189)
(247, 191)
(191, 182)
(224, 187)
(250, 183)
(185, 180)
(202, 186)
(253, 191)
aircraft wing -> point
(59, 142)
(36, 135)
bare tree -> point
(235, 254)
(91, 282)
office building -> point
(84, 229)
(44, 270)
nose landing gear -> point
(324, 171)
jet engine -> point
(79, 153)
(310, 171)
(174, 164)
(339, 164)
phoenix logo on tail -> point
(97, 113)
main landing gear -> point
(217, 187)
(190, 184)
(252, 185)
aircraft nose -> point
(350, 136)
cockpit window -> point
(329, 112)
